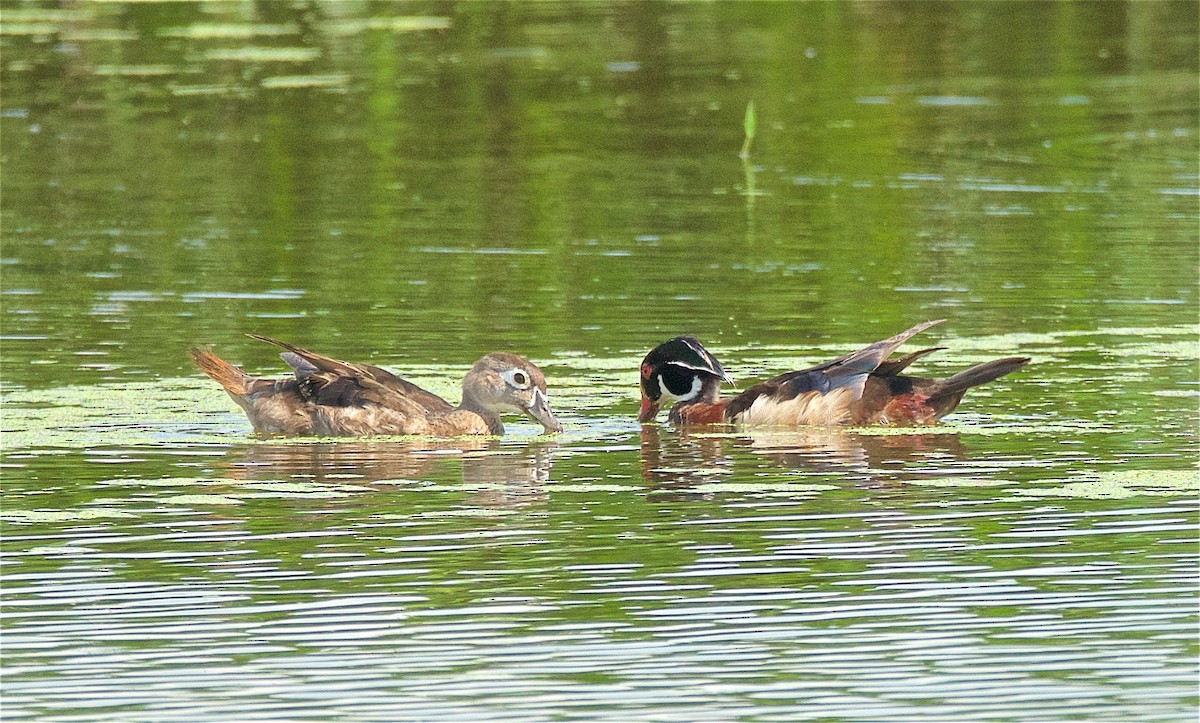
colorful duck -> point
(863, 388)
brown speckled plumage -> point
(329, 397)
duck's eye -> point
(516, 379)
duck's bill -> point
(539, 410)
(649, 410)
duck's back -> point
(328, 397)
(344, 399)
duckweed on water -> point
(67, 515)
(10, 28)
(589, 487)
(225, 31)
(135, 71)
(255, 54)
(1125, 483)
(769, 488)
(201, 500)
(14, 16)
(474, 512)
(399, 24)
(202, 90)
(699, 471)
(305, 81)
(1183, 349)
(958, 482)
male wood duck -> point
(328, 397)
(863, 388)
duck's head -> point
(678, 370)
(501, 382)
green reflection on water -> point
(611, 153)
(414, 186)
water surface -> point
(415, 185)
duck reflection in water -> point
(505, 474)
(681, 459)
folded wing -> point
(331, 382)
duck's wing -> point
(332, 382)
(847, 373)
(400, 385)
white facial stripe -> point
(706, 370)
(695, 391)
(693, 367)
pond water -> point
(414, 185)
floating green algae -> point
(460, 487)
(958, 482)
(397, 24)
(107, 415)
(255, 54)
(298, 489)
(305, 81)
(1119, 484)
(156, 482)
(36, 29)
(43, 15)
(770, 488)
(587, 487)
(932, 430)
(1192, 330)
(1183, 349)
(1037, 427)
(204, 90)
(135, 71)
(238, 489)
(483, 512)
(99, 35)
(1176, 393)
(52, 550)
(65, 515)
(201, 500)
(699, 471)
(224, 31)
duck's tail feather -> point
(892, 367)
(227, 375)
(979, 374)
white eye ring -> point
(516, 378)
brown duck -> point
(863, 388)
(327, 397)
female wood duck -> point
(859, 389)
(328, 397)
